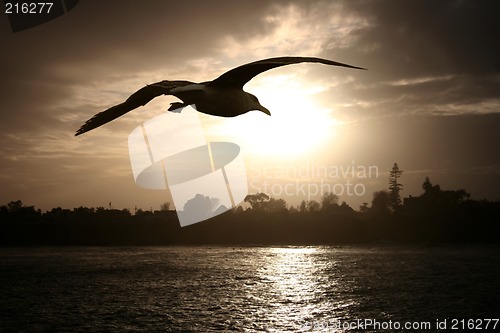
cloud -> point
(429, 38)
(423, 58)
(298, 28)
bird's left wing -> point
(139, 98)
(239, 76)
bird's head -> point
(254, 104)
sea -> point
(383, 288)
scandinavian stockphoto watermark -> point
(311, 180)
(205, 178)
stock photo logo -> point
(171, 152)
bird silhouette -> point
(223, 96)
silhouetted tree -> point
(395, 187)
(274, 205)
(364, 208)
(329, 201)
(256, 200)
(430, 191)
(434, 194)
(83, 213)
(302, 207)
(309, 206)
(16, 211)
(456, 197)
(427, 185)
(381, 203)
(238, 210)
(15, 206)
(142, 214)
(4, 213)
(165, 206)
(313, 206)
(345, 209)
(201, 207)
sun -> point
(297, 124)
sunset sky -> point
(430, 99)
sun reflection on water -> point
(294, 289)
(291, 270)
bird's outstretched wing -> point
(239, 76)
(139, 98)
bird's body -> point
(228, 102)
(223, 96)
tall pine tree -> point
(394, 186)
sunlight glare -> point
(297, 124)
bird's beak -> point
(266, 111)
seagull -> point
(222, 97)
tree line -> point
(435, 216)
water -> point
(203, 289)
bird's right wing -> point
(139, 98)
(239, 76)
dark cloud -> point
(424, 57)
(423, 38)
